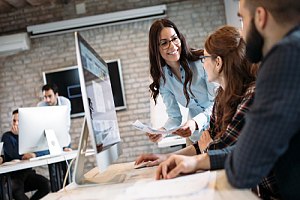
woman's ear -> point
(219, 63)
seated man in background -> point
(27, 179)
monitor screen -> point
(100, 115)
(67, 80)
(33, 121)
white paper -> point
(140, 126)
(194, 186)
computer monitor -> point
(100, 121)
(34, 122)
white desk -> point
(120, 181)
(25, 164)
(56, 178)
(171, 141)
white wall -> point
(231, 10)
(159, 115)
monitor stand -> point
(106, 156)
(53, 145)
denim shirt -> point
(200, 106)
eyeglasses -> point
(202, 58)
(165, 44)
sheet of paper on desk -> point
(140, 126)
(196, 186)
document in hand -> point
(140, 126)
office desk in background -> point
(56, 177)
(171, 141)
(122, 181)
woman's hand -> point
(204, 141)
(187, 129)
(155, 137)
(155, 159)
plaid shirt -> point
(267, 188)
(230, 136)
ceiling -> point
(7, 6)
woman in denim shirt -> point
(178, 76)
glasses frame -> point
(202, 58)
(175, 40)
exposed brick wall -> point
(21, 74)
(15, 21)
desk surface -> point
(24, 164)
(122, 181)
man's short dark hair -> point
(15, 112)
(282, 11)
(50, 86)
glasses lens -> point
(165, 44)
(175, 40)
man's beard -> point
(254, 44)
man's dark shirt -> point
(271, 136)
(11, 147)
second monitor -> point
(33, 121)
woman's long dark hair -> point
(238, 73)
(157, 62)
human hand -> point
(155, 159)
(175, 165)
(1, 160)
(27, 156)
(15, 129)
(155, 137)
(67, 149)
(204, 141)
(187, 129)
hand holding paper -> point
(140, 126)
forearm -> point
(187, 151)
(172, 122)
(203, 162)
